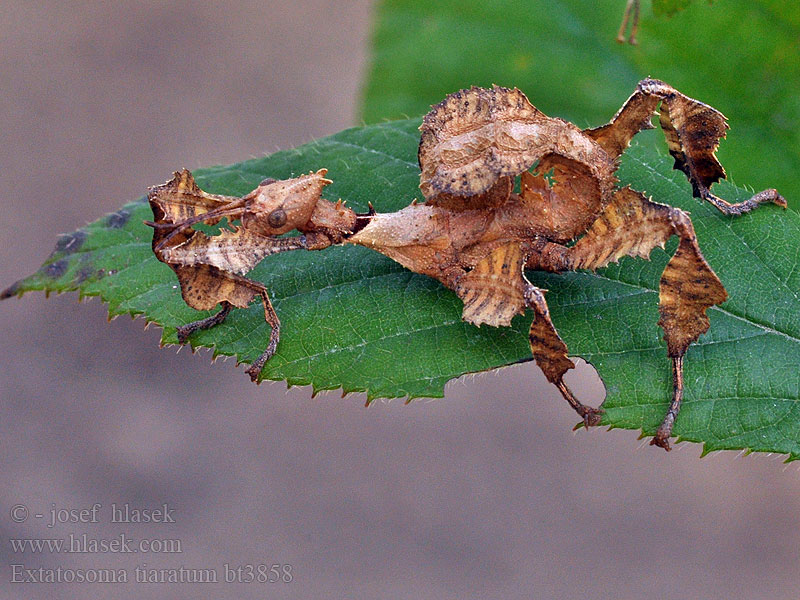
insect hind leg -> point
(633, 225)
(739, 208)
(692, 130)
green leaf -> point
(669, 7)
(354, 319)
(740, 56)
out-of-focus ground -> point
(486, 493)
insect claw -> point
(253, 373)
(592, 416)
(661, 442)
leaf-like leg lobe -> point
(693, 131)
(688, 288)
(633, 225)
(550, 353)
(493, 291)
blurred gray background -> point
(485, 493)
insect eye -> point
(277, 218)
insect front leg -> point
(550, 353)
(204, 286)
(271, 317)
(205, 266)
(184, 331)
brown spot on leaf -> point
(87, 271)
(68, 243)
(118, 219)
(56, 269)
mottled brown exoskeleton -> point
(476, 235)
(210, 269)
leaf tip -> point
(13, 290)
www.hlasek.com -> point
(83, 544)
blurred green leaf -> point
(669, 7)
(354, 319)
(740, 56)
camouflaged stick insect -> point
(476, 236)
(210, 269)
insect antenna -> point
(234, 208)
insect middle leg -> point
(550, 353)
